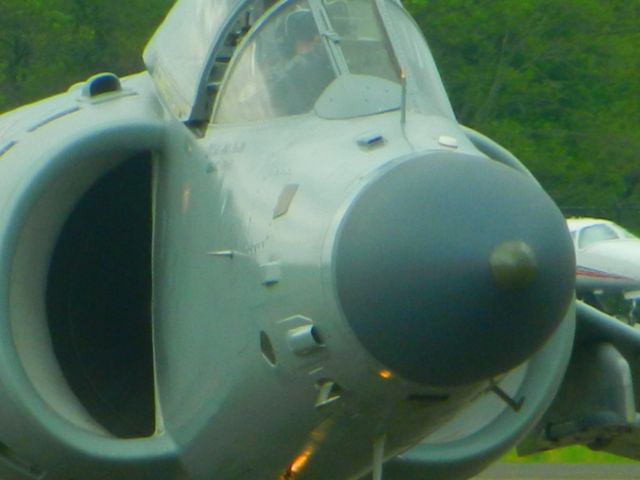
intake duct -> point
(98, 300)
(75, 247)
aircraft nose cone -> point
(452, 269)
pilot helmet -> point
(300, 26)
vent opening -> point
(98, 300)
(101, 84)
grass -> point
(567, 455)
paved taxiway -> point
(507, 471)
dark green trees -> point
(46, 45)
(555, 81)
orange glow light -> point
(299, 463)
(385, 374)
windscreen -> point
(425, 92)
(595, 234)
(361, 38)
(335, 57)
(281, 72)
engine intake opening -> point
(98, 300)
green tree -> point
(555, 81)
(46, 46)
(26, 28)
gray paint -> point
(414, 273)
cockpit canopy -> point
(337, 58)
(179, 51)
(290, 65)
(587, 231)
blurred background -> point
(555, 81)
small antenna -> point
(403, 98)
(403, 106)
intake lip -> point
(452, 269)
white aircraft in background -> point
(607, 260)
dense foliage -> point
(555, 81)
(47, 45)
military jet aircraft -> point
(277, 255)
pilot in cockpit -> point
(300, 33)
(307, 70)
